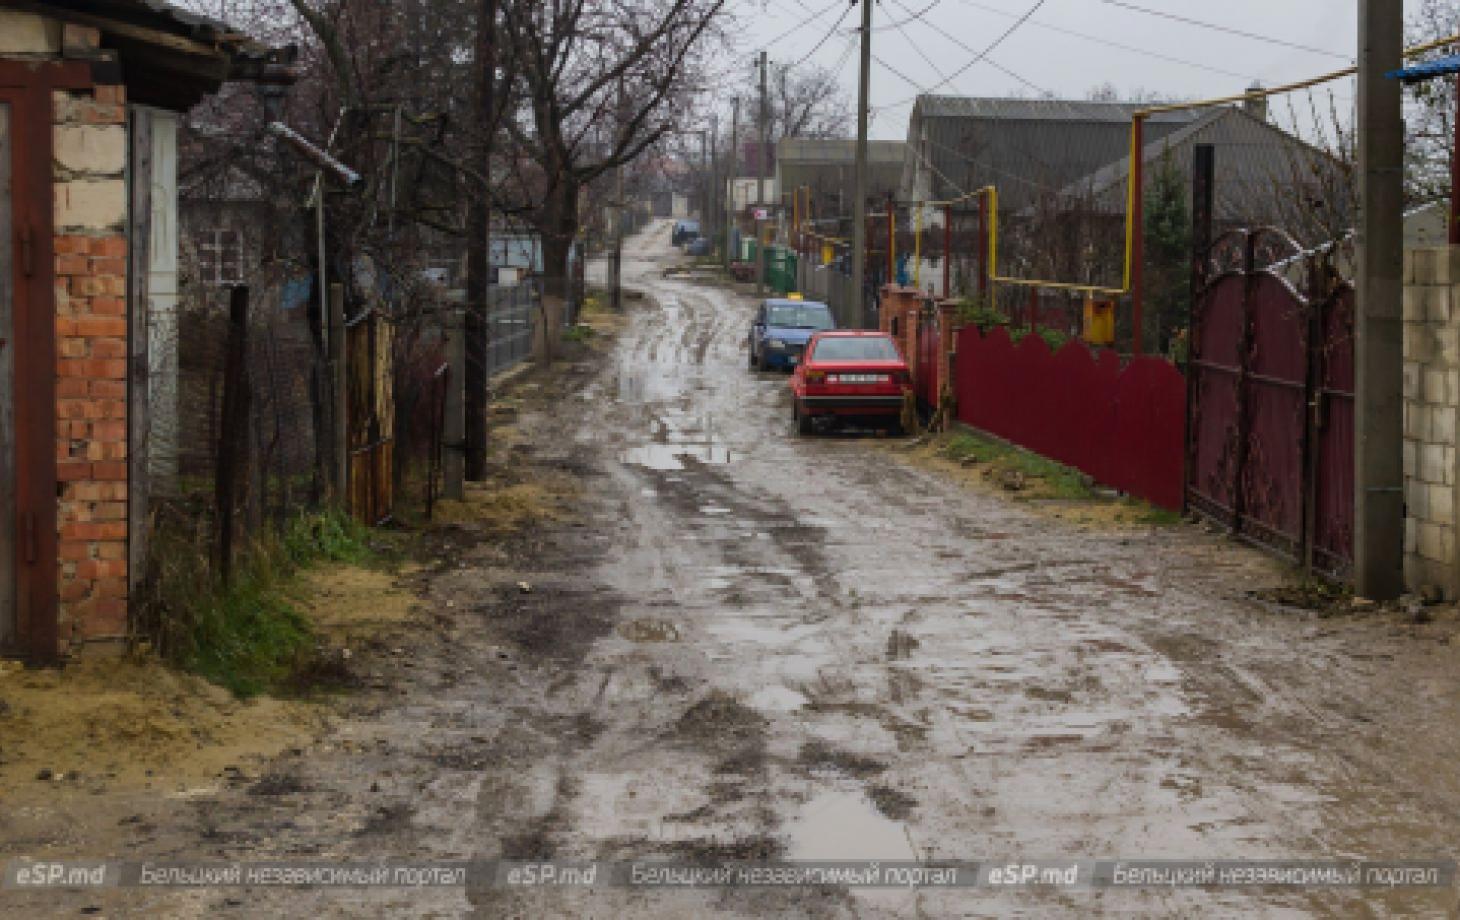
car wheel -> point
(803, 421)
(895, 429)
(750, 358)
(761, 364)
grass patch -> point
(579, 333)
(247, 636)
(1017, 469)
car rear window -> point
(799, 316)
(859, 348)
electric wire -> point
(1124, 4)
(983, 54)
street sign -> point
(762, 213)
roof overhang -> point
(170, 58)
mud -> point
(739, 643)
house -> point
(1262, 175)
(1029, 148)
(90, 94)
(827, 166)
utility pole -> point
(616, 265)
(478, 264)
(712, 209)
(733, 169)
(705, 171)
(760, 189)
(1378, 342)
(860, 316)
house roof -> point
(1029, 148)
(1253, 158)
(828, 167)
(171, 57)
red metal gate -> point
(1270, 403)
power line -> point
(983, 54)
(1111, 42)
(912, 17)
(829, 33)
(955, 40)
(1227, 29)
(805, 22)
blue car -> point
(781, 329)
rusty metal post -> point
(1138, 236)
(983, 245)
(339, 358)
(947, 250)
(231, 463)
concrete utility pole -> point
(478, 261)
(860, 316)
(1378, 328)
(712, 202)
(760, 159)
(733, 169)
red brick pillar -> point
(91, 362)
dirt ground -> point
(701, 636)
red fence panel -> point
(1122, 426)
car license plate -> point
(859, 378)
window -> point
(856, 348)
(220, 257)
(800, 316)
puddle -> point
(671, 456)
(845, 825)
(778, 699)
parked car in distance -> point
(699, 246)
(781, 328)
(684, 231)
(850, 375)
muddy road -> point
(745, 644)
(806, 648)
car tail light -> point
(816, 376)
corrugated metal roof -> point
(1257, 165)
(1029, 148)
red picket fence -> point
(1124, 426)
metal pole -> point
(339, 361)
(1138, 229)
(453, 426)
(861, 317)
(1378, 343)
(983, 246)
(947, 250)
(891, 240)
(1455, 174)
(760, 157)
(733, 169)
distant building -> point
(828, 168)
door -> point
(8, 633)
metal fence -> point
(512, 315)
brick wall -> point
(91, 365)
(1431, 402)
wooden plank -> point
(8, 634)
(139, 232)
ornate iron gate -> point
(1270, 401)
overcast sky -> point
(1163, 55)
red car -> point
(849, 374)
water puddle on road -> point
(672, 456)
(778, 699)
(845, 825)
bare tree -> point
(579, 65)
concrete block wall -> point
(90, 188)
(1431, 404)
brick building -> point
(90, 93)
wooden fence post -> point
(233, 453)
